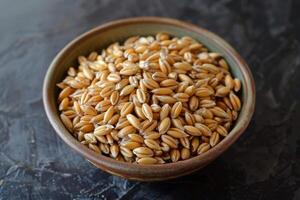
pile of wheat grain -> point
(151, 100)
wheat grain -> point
(176, 109)
(203, 129)
(126, 152)
(204, 147)
(152, 144)
(185, 153)
(141, 95)
(126, 90)
(165, 110)
(164, 125)
(237, 85)
(151, 135)
(175, 155)
(90, 138)
(162, 91)
(192, 130)
(130, 144)
(147, 161)
(151, 100)
(136, 137)
(146, 109)
(170, 141)
(223, 91)
(105, 148)
(114, 119)
(214, 139)
(126, 131)
(149, 126)
(67, 122)
(94, 148)
(108, 114)
(142, 152)
(65, 93)
(189, 118)
(219, 112)
(87, 128)
(235, 101)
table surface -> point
(263, 164)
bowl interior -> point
(100, 38)
(96, 42)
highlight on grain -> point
(150, 100)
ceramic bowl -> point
(100, 37)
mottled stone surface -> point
(263, 164)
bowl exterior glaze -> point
(100, 37)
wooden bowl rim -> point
(130, 168)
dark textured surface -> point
(263, 164)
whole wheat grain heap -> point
(150, 100)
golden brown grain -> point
(235, 101)
(204, 147)
(152, 144)
(67, 122)
(165, 110)
(204, 92)
(136, 137)
(177, 124)
(166, 99)
(126, 90)
(105, 148)
(237, 85)
(219, 112)
(64, 104)
(65, 93)
(162, 91)
(151, 100)
(164, 125)
(141, 95)
(87, 128)
(147, 161)
(176, 109)
(177, 133)
(126, 109)
(130, 144)
(146, 109)
(123, 122)
(114, 150)
(195, 144)
(151, 135)
(102, 130)
(189, 118)
(126, 131)
(90, 138)
(114, 98)
(192, 130)
(143, 152)
(108, 114)
(221, 130)
(170, 141)
(223, 91)
(126, 152)
(203, 129)
(94, 147)
(214, 139)
(149, 126)
(185, 153)
(175, 155)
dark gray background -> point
(263, 164)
